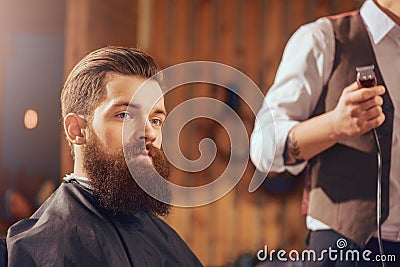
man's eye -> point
(156, 122)
(124, 115)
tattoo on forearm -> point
(292, 150)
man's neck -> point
(78, 164)
(391, 8)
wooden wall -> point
(250, 36)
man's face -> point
(103, 154)
(143, 116)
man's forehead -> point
(137, 91)
(116, 83)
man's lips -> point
(140, 151)
(146, 153)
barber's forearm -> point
(309, 138)
(357, 112)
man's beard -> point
(112, 182)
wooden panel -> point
(2, 71)
(202, 21)
(274, 40)
(248, 226)
(345, 5)
(298, 13)
(158, 44)
(178, 42)
(92, 24)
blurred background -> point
(40, 42)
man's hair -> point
(84, 89)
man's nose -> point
(146, 133)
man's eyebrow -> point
(126, 104)
(136, 106)
(160, 111)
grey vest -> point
(344, 177)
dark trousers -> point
(3, 253)
(334, 250)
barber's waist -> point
(390, 229)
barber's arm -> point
(357, 112)
(302, 73)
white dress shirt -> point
(304, 70)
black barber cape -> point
(70, 229)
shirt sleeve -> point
(305, 68)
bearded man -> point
(100, 215)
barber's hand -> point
(358, 111)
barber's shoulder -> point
(320, 29)
(315, 36)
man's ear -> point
(74, 126)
